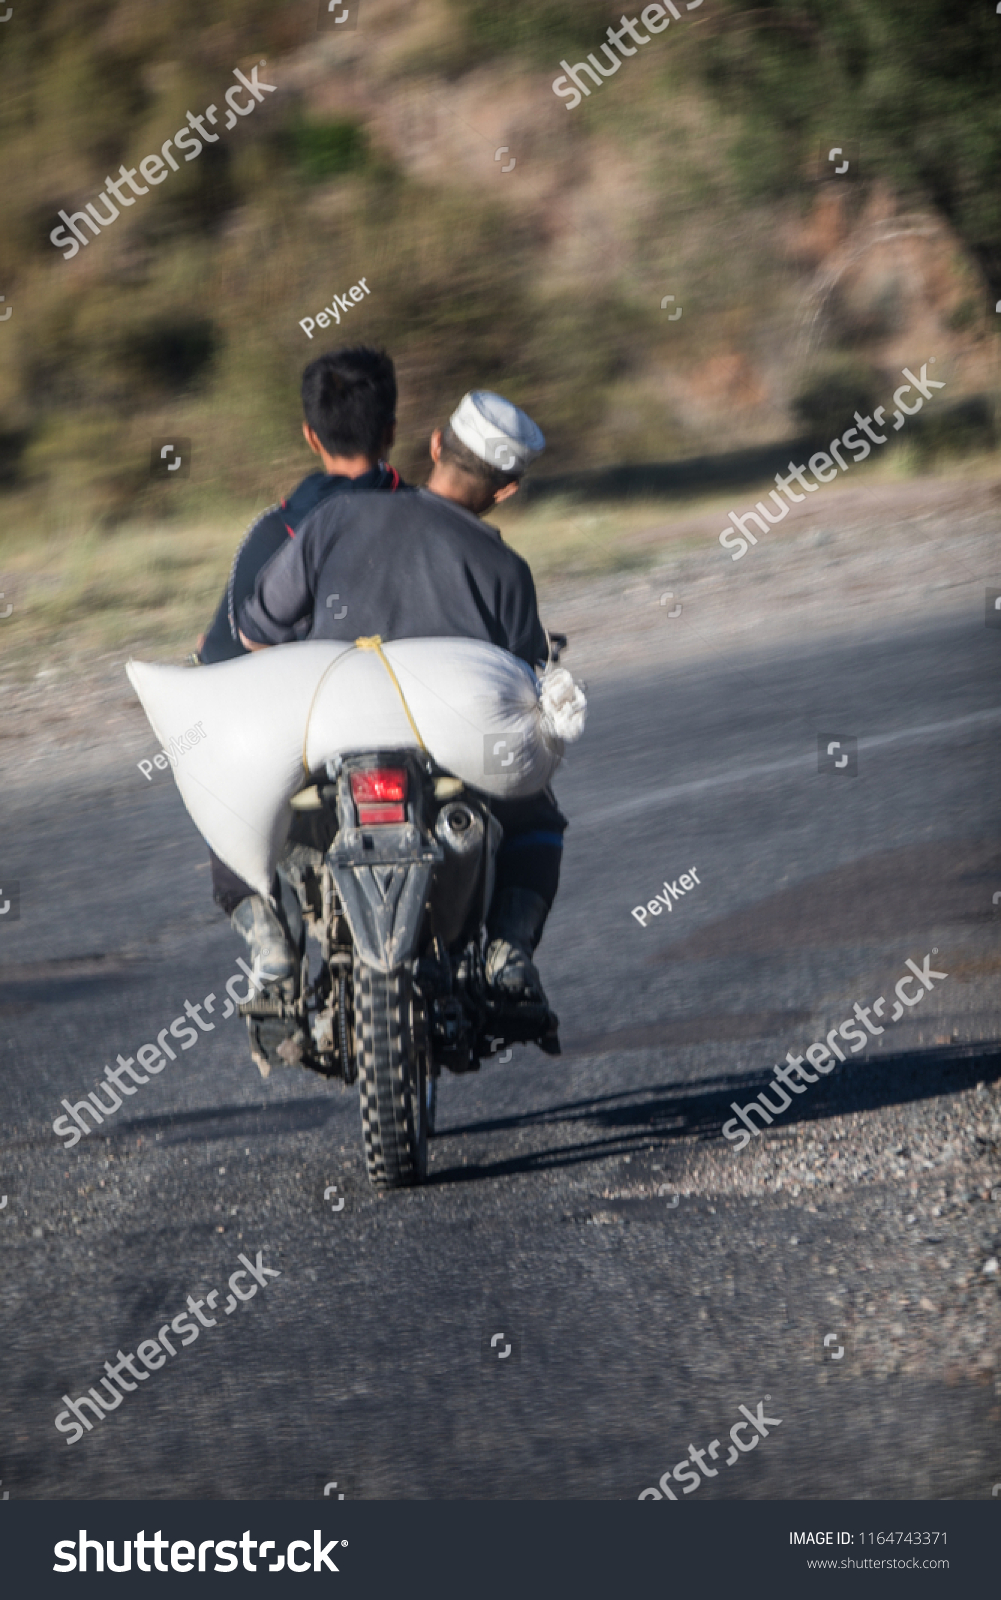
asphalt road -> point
(648, 1278)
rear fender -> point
(383, 876)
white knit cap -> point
(497, 431)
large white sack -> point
(264, 720)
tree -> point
(916, 81)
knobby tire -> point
(391, 1078)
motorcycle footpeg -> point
(521, 1022)
(525, 1024)
(263, 1005)
(277, 998)
(275, 1043)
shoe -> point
(511, 971)
(514, 929)
(275, 939)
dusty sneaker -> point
(274, 935)
(276, 943)
(511, 971)
(514, 928)
(271, 955)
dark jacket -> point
(410, 566)
(269, 534)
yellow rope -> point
(374, 642)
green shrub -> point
(832, 393)
(169, 354)
(965, 315)
(915, 81)
(965, 428)
(322, 150)
(541, 30)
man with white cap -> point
(496, 432)
(421, 564)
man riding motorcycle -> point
(422, 564)
(349, 422)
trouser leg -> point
(527, 877)
(275, 938)
(227, 889)
(532, 852)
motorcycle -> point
(392, 869)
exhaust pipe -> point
(459, 828)
(461, 832)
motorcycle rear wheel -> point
(392, 1078)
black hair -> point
(349, 400)
(456, 454)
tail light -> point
(379, 793)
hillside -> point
(375, 158)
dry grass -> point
(151, 587)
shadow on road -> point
(226, 1122)
(623, 1124)
(609, 1125)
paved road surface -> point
(648, 1278)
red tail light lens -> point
(379, 794)
(379, 784)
